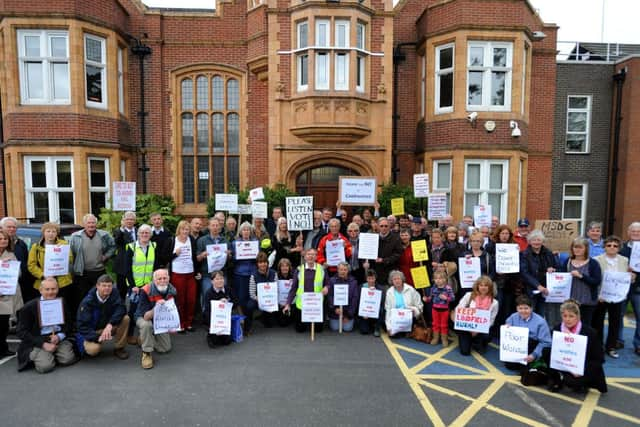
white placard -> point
(247, 249)
(568, 352)
(472, 319)
(482, 215)
(124, 196)
(227, 202)
(634, 259)
(559, 287)
(56, 260)
(370, 300)
(436, 206)
(368, 245)
(268, 296)
(165, 317)
(284, 286)
(259, 209)
(9, 273)
(469, 269)
(216, 257)
(357, 191)
(615, 286)
(51, 312)
(507, 258)
(340, 295)
(220, 323)
(299, 213)
(514, 344)
(421, 185)
(312, 307)
(334, 252)
(256, 194)
(244, 209)
(401, 320)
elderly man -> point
(389, 251)
(324, 247)
(43, 346)
(594, 237)
(157, 292)
(196, 227)
(445, 222)
(101, 318)
(10, 225)
(122, 237)
(312, 237)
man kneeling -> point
(157, 292)
(42, 346)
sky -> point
(579, 20)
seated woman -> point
(284, 271)
(217, 292)
(482, 296)
(401, 295)
(343, 277)
(263, 274)
(539, 336)
(593, 373)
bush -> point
(146, 204)
(274, 196)
(390, 191)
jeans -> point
(205, 285)
(347, 326)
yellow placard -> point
(419, 250)
(397, 206)
(420, 277)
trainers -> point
(121, 353)
(612, 353)
(147, 360)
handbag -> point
(421, 332)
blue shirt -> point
(595, 249)
(399, 299)
(538, 330)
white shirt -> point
(183, 263)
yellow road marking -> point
(586, 410)
(432, 358)
(617, 414)
(466, 416)
(514, 416)
(624, 387)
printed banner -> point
(507, 258)
(420, 277)
(419, 250)
(268, 296)
(559, 287)
(284, 286)
(299, 213)
(56, 260)
(514, 344)
(401, 320)
(421, 185)
(469, 269)
(368, 245)
(124, 196)
(334, 252)
(9, 273)
(370, 300)
(51, 312)
(472, 319)
(247, 249)
(568, 352)
(482, 215)
(436, 206)
(216, 257)
(340, 295)
(220, 323)
(165, 317)
(357, 191)
(312, 307)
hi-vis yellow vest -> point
(317, 284)
(142, 266)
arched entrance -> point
(321, 182)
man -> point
(312, 237)
(213, 238)
(327, 214)
(42, 347)
(445, 222)
(520, 236)
(495, 222)
(230, 229)
(10, 225)
(404, 222)
(159, 235)
(486, 235)
(468, 219)
(101, 318)
(417, 230)
(334, 234)
(91, 249)
(308, 278)
(271, 223)
(633, 232)
(393, 226)
(122, 237)
(389, 252)
(594, 237)
(196, 227)
(357, 219)
(157, 292)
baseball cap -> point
(523, 222)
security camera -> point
(539, 35)
(472, 117)
(516, 132)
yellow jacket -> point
(36, 264)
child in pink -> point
(441, 296)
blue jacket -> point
(350, 310)
(242, 267)
(93, 315)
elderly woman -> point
(243, 269)
(482, 296)
(535, 262)
(9, 304)
(401, 295)
(594, 358)
(343, 277)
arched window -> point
(210, 150)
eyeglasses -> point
(612, 245)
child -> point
(217, 292)
(441, 296)
(366, 324)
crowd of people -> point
(152, 266)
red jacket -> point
(322, 258)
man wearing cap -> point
(417, 230)
(520, 236)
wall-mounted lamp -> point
(516, 130)
(472, 117)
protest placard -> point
(370, 300)
(284, 286)
(368, 245)
(56, 260)
(311, 307)
(634, 259)
(357, 191)
(220, 323)
(420, 277)
(558, 234)
(401, 320)
(469, 269)
(482, 215)
(419, 250)
(259, 209)
(340, 295)
(397, 206)
(615, 286)
(436, 206)
(124, 196)
(50, 312)
(244, 209)
(165, 317)
(421, 185)
(216, 257)
(559, 287)
(9, 273)
(256, 194)
(472, 319)
(247, 249)
(568, 352)
(268, 296)
(514, 344)
(227, 202)
(299, 213)
(507, 258)
(334, 252)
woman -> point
(442, 259)
(509, 284)
(406, 262)
(242, 270)
(9, 304)
(217, 292)
(476, 250)
(451, 242)
(348, 311)
(262, 274)
(594, 358)
(179, 254)
(482, 296)
(611, 261)
(401, 295)
(463, 234)
(284, 271)
(539, 337)
(535, 262)
(284, 244)
(586, 277)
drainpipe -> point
(618, 79)
(398, 57)
(4, 166)
(142, 50)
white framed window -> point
(578, 124)
(322, 32)
(123, 170)
(341, 71)
(574, 203)
(423, 84)
(98, 184)
(302, 58)
(43, 57)
(441, 177)
(361, 30)
(120, 80)
(322, 71)
(486, 182)
(489, 66)
(445, 56)
(49, 189)
(342, 33)
(95, 64)
(523, 92)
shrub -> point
(146, 204)
(390, 191)
(274, 196)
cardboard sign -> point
(558, 234)
(472, 319)
(615, 286)
(634, 259)
(124, 196)
(368, 246)
(559, 287)
(268, 296)
(284, 286)
(312, 307)
(370, 300)
(482, 215)
(514, 344)
(469, 270)
(568, 352)
(419, 250)
(357, 190)
(56, 260)
(216, 257)
(165, 317)
(334, 252)
(220, 323)
(259, 209)
(299, 213)
(51, 312)
(340, 295)
(397, 206)
(227, 202)
(421, 185)
(401, 320)
(436, 206)
(256, 194)
(507, 258)
(9, 273)
(420, 277)
(247, 249)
